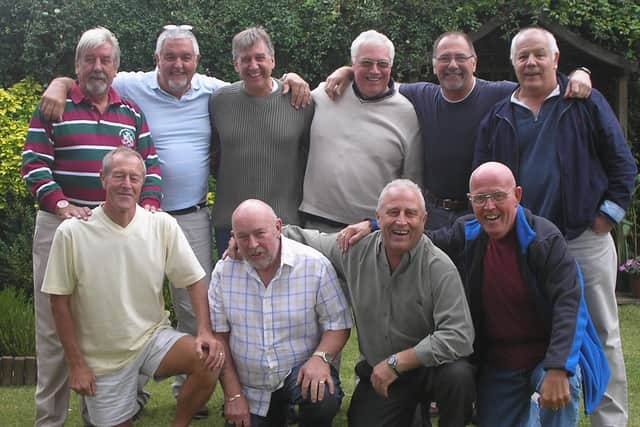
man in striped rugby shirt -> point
(61, 165)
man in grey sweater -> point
(255, 130)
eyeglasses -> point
(171, 27)
(369, 63)
(496, 196)
(460, 59)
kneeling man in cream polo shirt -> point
(105, 278)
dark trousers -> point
(451, 385)
(310, 414)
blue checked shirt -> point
(276, 328)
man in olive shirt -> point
(414, 325)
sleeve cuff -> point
(612, 210)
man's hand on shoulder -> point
(337, 81)
(579, 85)
(151, 208)
(352, 234)
(54, 99)
(73, 211)
(313, 377)
(232, 250)
(300, 91)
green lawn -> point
(16, 403)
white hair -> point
(95, 37)
(372, 37)
(175, 34)
(401, 183)
(551, 41)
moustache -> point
(98, 75)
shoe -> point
(141, 399)
(201, 414)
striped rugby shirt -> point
(62, 160)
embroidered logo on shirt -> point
(127, 138)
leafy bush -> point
(16, 106)
(17, 326)
(16, 204)
(311, 37)
(16, 235)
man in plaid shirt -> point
(281, 316)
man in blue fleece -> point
(535, 342)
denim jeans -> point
(310, 414)
(505, 399)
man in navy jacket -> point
(572, 158)
(533, 330)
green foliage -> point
(17, 328)
(16, 233)
(312, 37)
(16, 106)
(16, 205)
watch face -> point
(392, 360)
(62, 204)
(323, 355)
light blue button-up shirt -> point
(181, 132)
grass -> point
(16, 403)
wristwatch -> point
(327, 357)
(392, 362)
(62, 204)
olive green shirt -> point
(421, 304)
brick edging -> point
(18, 370)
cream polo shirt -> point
(115, 276)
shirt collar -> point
(450, 101)
(383, 95)
(515, 100)
(78, 96)
(380, 247)
(153, 83)
(287, 254)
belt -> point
(190, 209)
(448, 204)
(323, 220)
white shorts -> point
(115, 398)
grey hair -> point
(460, 34)
(95, 37)
(401, 183)
(123, 151)
(248, 38)
(176, 34)
(372, 37)
(551, 41)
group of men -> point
(277, 317)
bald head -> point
(494, 197)
(253, 208)
(494, 170)
(256, 228)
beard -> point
(180, 85)
(97, 84)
